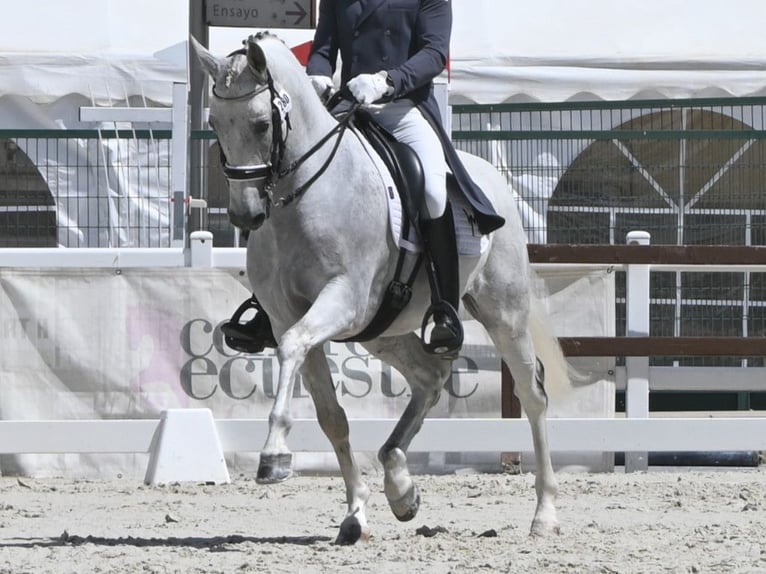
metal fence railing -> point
(688, 171)
(85, 188)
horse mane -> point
(276, 50)
(263, 34)
(287, 71)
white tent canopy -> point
(106, 51)
(558, 50)
(549, 50)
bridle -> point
(273, 171)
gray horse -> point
(320, 261)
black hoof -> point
(350, 532)
(274, 468)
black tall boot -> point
(444, 277)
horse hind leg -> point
(425, 375)
(509, 329)
(528, 375)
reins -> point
(339, 129)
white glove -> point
(321, 85)
(369, 88)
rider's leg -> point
(439, 240)
(408, 125)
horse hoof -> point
(351, 531)
(541, 529)
(274, 468)
(406, 508)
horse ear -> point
(212, 65)
(256, 59)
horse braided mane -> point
(235, 70)
(262, 35)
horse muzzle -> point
(247, 221)
(248, 208)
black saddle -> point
(401, 160)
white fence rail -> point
(436, 435)
(182, 454)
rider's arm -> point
(324, 50)
(432, 32)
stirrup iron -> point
(447, 334)
(252, 336)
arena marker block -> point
(186, 448)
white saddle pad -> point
(469, 241)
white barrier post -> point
(180, 163)
(201, 247)
(186, 448)
(637, 324)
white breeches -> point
(407, 124)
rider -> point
(391, 50)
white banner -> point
(100, 344)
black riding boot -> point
(444, 277)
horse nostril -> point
(258, 220)
(247, 222)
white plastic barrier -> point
(188, 445)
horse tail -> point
(560, 376)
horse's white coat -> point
(320, 265)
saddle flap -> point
(400, 159)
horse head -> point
(248, 113)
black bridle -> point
(273, 171)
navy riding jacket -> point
(409, 39)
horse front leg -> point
(334, 423)
(329, 315)
(276, 461)
(426, 375)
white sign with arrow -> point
(261, 13)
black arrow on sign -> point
(301, 13)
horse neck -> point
(311, 122)
(309, 118)
(348, 180)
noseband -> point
(272, 172)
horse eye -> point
(261, 126)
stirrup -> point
(447, 346)
(254, 335)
